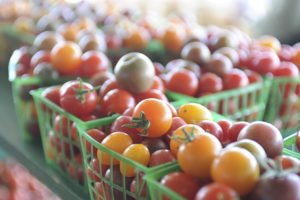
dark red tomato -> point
(74, 129)
(159, 68)
(62, 125)
(298, 140)
(235, 79)
(78, 107)
(182, 81)
(154, 144)
(97, 135)
(52, 94)
(176, 123)
(235, 129)
(253, 76)
(132, 132)
(153, 93)
(94, 170)
(210, 83)
(183, 184)
(158, 84)
(93, 62)
(116, 101)
(160, 157)
(287, 69)
(212, 128)
(265, 62)
(107, 86)
(39, 57)
(21, 56)
(61, 146)
(216, 191)
(78, 175)
(141, 182)
(225, 125)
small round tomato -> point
(66, 57)
(62, 125)
(158, 84)
(298, 140)
(196, 156)
(253, 76)
(287, 69)
(107, 86)
(77, 106)
(212, 128)
(173, 37)
(216, 191)
(265, 62)
(182, 81)
(157, 113)
(97, 135)
(176, 142)
(160, 157)
(235, 129)
(225, 125)
(153, 93)
(138, 153)
(210, 83)
(183, 184)
(118, 142)
(176, 123)
(93, 62)
(237, 168)
(39, 57)
(52, 94)
(76, 170)
(270, 42)
(137, 38)
(193, 113)
(235, 79)
(95, 172)
(154, 144)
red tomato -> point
(39, 57)
(182, 81)
(225, 125)
(160, 157)
(117, 126)
(97, 135)
(78, 175)
(116, 101)
(94, 166)
(107, 86)
(287, 69)
(71, 104)
(74, 129)
(235, 129)
(212, 128)
(235, 79)
(158, 84)
(153, 93)
(216, 191)
(253, 76)
(52, 94)
(21, 56)
(93, 62)
(62, 125)
(183, 184)
(298, 140)
(210, 83)
(286, 52)
(176, 123)
(266, 62)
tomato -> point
(160, 157)
(62, 125)
(74, 134)
(39, 57)
(176, 123)
(153, 93)
(212, 128)
(287, 69)
(235, 129)
(287, 161)
(175, 143)
(118, 142)
(107, 86)
(100, 78)
(216, 191)
(237, 168)
(193, 113)
(66, 57)
(298, 140)
(286, 52)
(138, 153)
(173, 37)
(95, 172)
(266, 62)
(210, 83)
(230, 53)
(159, 68)
(98, 136)
(69, 31)
(141, 189)
(47, 40)
(197, 52)
(76, 170)
(52, 94)
(173, 109)
(219, 64)
(154, 144)
(235, 79)
(60, 145)
(113, 41)
(225, 125)
(271, 42)
(157, 113)
(253, 76)
(116, 101)
(182, 81)
(93, 62)
(183, 184)
(137, 38)
(78, 107)
(158, 84)
(21, 56)
(196, 156)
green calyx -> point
(188, 136)
(81, 92)
(140, 122)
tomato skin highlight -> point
(216, 191)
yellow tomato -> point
(193, 113)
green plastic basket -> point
(62, 149)
(290, 146)
(283, 108)
(243, 104)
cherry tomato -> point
(78, 107)
(193, 113)
(39, 57)
(158, 84)
(287, 69)
(107, 86)
(182, 81)
(160, 157)
(116, 101)
(157, 113)
(210, 83)
(286, 52)
(266, 62)
(93, 62)
(298, 140)
(62, 125)
(94, 172)
(76, 171)
(132, 132)
(137, 38)
(22, 57)
(235, 129)
(118, 142)
(66, 57)
(52, 94)
(138, 153)
(173, 109)
(74, 134)
(183, 184)
(139, 191)
(153, 93)
(271, 42)
(196, 156)
(154, 144)
(173, 37)
(212, 128)
(225, 125)
(176, 123)
(216, 191)
(97, 135)
(235, 79)
(253, 76)
(175, 143)
(237, 168)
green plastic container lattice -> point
(283, 109)
(243, 104)
(290, 146)
(60, 138)
(117, 186)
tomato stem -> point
(140, 122)
(81, 92)
(189, 136)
